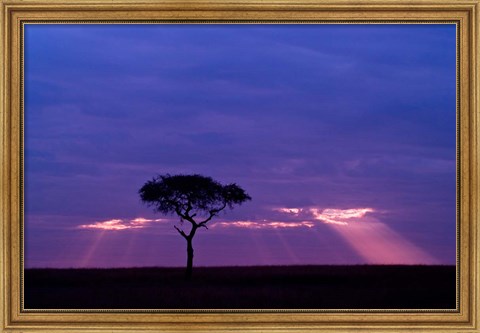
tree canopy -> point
(189, 196)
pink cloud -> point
(328, 215)
(265, 224)
(120, 224)
(340, 216)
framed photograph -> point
(256, 165)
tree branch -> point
(179, 213)
(189, 207)
(212, 212)
(185, 215)
(176, 206)
(181, 232)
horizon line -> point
(235, 266)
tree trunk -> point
(188, 273)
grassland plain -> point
(253, 287)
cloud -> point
(340, 216)
(328, 215)
(264, 225)
(302, 217)
(120, 224)
(294, 211)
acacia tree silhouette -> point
(191, 197)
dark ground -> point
(258, 287)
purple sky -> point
(343, 135)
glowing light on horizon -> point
(141, 220)
(288, 210)
(370, 238)
(340, 216)
(119, 224)
(329, 215)
(264, 225)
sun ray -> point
(92, 249)
(287, 247)
(377, 243)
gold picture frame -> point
(16, 13)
